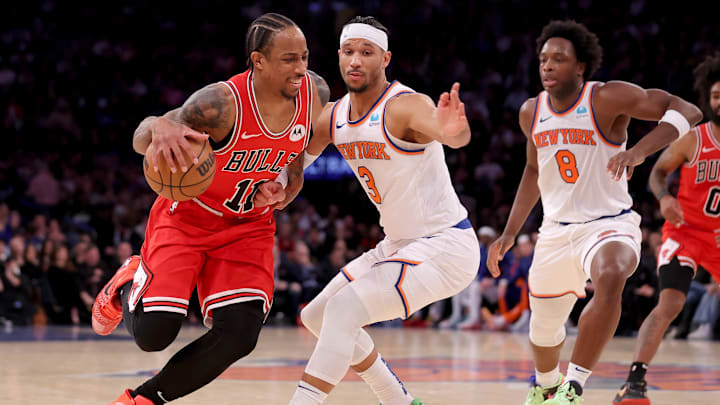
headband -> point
(365, 31)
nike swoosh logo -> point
(706, 150)
(245, 135)
(545, 119)
(339, 126)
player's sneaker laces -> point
(107, 309)
(127, 399)
(538, 394)
(632, 393)
(565, 395)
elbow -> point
(696, 116)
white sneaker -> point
(704, 332)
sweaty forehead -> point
(558, 45)
(715, 87)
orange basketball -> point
(181, 186)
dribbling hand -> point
(270, 193)
(170, 139)
(671, 210)
(496, 253)
(451, 112)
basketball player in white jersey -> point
(392, 138)
(577, 165)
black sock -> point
(637, 372)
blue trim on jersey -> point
(623, 212)
(393, 144)
(464, 224)
(592, 113)
(573, 105)
(332, 121)
(537, 107)
(371, 108)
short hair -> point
(371, 21)
(706, 74)
(262, 31)
(586, 44)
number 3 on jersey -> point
(567, 165)
(240, 202)
(370, 182)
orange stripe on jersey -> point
(332, 121)
(595, 124)
(347, 275)
(572, 107)
(405, 261)
(367, 114)
(535, 113)
(398, 287)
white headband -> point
(365, 31)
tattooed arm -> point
(210, 111)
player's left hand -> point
(451, 112)
(617, 164)
(270, 193)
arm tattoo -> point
(322, 87)
(206, 110)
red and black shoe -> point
(632, 393)
(107, 309)
(127, 399)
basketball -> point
(181, 186)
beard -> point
(715, 116)
(372, 78)
(357, 89)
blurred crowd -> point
(73, 201)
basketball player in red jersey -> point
(258, 123)
(691, 234)
(577, 132)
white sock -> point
(549, 378)
(385, 384)
(577, 373)
(306, 394)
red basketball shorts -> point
(692, 248)
(230, 260)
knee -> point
(548, 332)
(312, 314)
(610, 279)
(670, 306)
(237, 328)
(154, 332)
(344, 310)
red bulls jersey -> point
(254, 154)
(699, 192)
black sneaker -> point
(632, 393)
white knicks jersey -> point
(572, 155)
(409, 183)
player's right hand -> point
(170, 139)
(497, 251)
(671, 210)
(270, 193)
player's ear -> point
(386, 59)
(258, 60)
(581, 66)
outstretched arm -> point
(528, 194)
(421, 121)
(623, 98)
(677, 153)
(210, 111)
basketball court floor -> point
(73, 366)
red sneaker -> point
(107, 309)
(127, 399)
